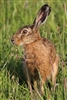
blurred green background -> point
(15, 14)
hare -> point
(40, 57)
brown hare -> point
(40, 57)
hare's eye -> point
(25, 32)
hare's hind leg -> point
(55, 71)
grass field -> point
(15, 14)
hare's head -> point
(30, 33)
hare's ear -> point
(42, 15)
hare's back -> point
(50, 47)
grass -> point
(15, 14)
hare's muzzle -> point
(12, 40)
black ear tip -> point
(46, 8)
(46, 5)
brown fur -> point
(41, 60)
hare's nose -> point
(12, 40)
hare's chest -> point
(31, 63)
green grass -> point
(15, 14)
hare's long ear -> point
(42, 15)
